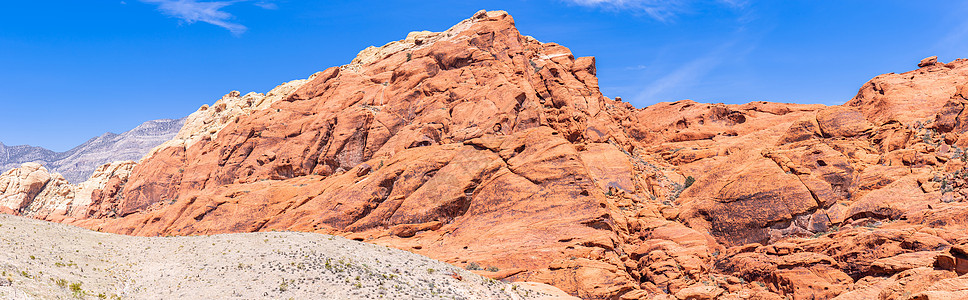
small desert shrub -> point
(473, 266)
(76, 289)
(689, 181)
(492, 269)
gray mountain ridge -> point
(78, 163)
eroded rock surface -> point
(485, 148)
(31, 190)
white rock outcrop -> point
(32, 191)
(208, 121)
(19, 186)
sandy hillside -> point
(42, 260)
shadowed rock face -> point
(77, 165)
(480, 145)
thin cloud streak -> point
(266, 5)
(191, 11)
(695, 70)
(688, 73)
(660, 10)
(957, 35)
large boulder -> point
(19, 186)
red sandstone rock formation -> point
(480, 145)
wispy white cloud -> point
(687, 73)
(735, 3)
(694, 71)
(191, 11)
(266, 5)
(661, 10)
(955, 37)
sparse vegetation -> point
(689, 181)
(472, 266)
(76, 289)
(830, 229)
(678, 188)
(293, 269)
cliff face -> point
(478, 137)
(77, 165)
(480, 145)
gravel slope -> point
(41, 260)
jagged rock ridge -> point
(77, 164)
(12, 156)
(480, 145)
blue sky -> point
(72, 70)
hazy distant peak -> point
(77, 164)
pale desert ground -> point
(41, 260)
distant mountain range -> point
(77, 164)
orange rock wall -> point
(480, 145)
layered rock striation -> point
(79, 163)
(479, 146)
